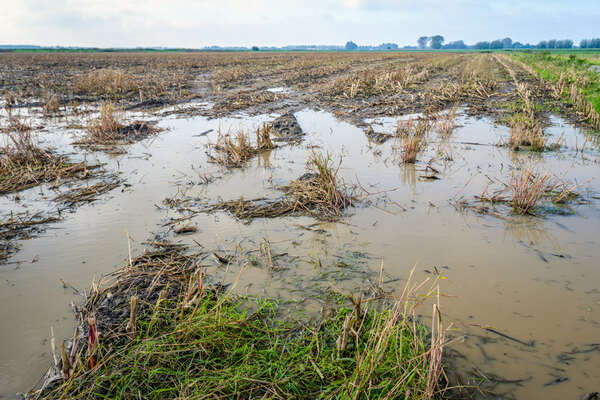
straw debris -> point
(234, 152)
(20, 227)
(108, 129)
(318, 193)
(23, 164)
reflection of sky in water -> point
(499, 270)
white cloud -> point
(195, 23)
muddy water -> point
(536, 279)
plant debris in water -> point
(529, 192)
(23, 164)
(88, 193)
(107, 129)
(234, 152)
(158, 330)
(20, 227)
(318, 193)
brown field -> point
(307, 179)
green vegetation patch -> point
(576, 68)
(193, 342)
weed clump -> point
(527, 189)
(412, 138)
(50, 105)
(320, 189)
(531, 191)
(411, 146)
(447, 122)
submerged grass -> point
(20, 227)
(177, 338)
(525, 136)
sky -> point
(199, 23)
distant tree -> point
(564, 44)
(459, 44)
(552, 43)
(482, 45)
(422, 41)
(435, 42)
(542, 45)
(594, 44)
(507, 43)
(517, 45)
(351, 46)
(255, 48)
(388, 46)
(496, 44)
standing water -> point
(522, 292)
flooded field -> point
(520, 288)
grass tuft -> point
(527, 135)
(234, 152)
(108, 129)
(319, 193)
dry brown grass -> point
(245, 99)
(319, 193)
(532, 137)
(234, 151)
(527, 189)
(23, 164)
(108, 129)
(320, 189)
(105, 82)
(411, 146)
(50, 104)
(412, 136)
(446, 122)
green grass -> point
(232, 348)
(576, 66)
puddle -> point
(281, 89)
(533, 278)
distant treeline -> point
(590, 44)
(437, 42)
